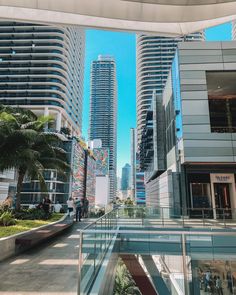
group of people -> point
(47, 206)
(80, 207)
(212, 284)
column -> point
(46, 113)
(58, 121)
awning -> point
(163, 17)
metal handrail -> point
(166, 232)
(98, 219)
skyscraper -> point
(126, 177)
(42, 68)
(133, 152)
(103, 111)
(154, 59)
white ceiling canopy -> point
(163, 17)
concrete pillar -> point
(46, 111)
(58, 121)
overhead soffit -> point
(181, 2)
(164, 17)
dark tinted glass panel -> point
(222, 101)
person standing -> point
(46, 205)
(85, 207)
(219, 286)
(71, 206)
(78, 210)
(57, 207)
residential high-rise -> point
(154, 58)
(42, 68)
(133, 152)
(103, 111)
(125, 178)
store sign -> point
(224, 178)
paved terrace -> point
(52, 268)
(49, 269)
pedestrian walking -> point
(71, 206)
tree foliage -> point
(124, 284)
(26, 147)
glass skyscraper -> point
(126, 177)
(103, 111)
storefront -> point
(223, 195)
(212, 195)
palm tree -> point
(26, 147)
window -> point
(200, 195)
(222, 101)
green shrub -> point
(32, 214)
(7, 219)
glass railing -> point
(177, 217)
(95, 241)
(179, 262)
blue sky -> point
(122, 47)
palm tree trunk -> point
(21, 175)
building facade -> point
(101, 170)
(126, 177)
(154, 58)
(42, 68)
(133, 152)
(140, 196)
(103, 111)
(200, 126)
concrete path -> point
(49, 269)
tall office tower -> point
(103, 111)
(154, 58)
(125, 178)
(42, 68)
(133, 151)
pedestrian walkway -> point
(51, 268)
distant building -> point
(140, 197)
(101, 170)
(103, 111)
(133, 152)
(118, 183)
(126, 177)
